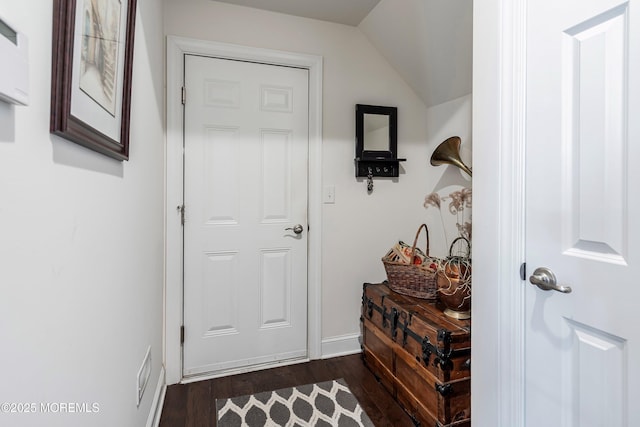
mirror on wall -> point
(376, 133)
(376, 141)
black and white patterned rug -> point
(323, 404)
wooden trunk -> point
(421, 356)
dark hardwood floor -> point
(194, 404)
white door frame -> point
(499, 82)
(177, 47)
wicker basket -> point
(416, 280)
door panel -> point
(599, 397)
(582, 62)
(246, 157)
(221, 153)
(594, 92)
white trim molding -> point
(499, 83)
(153, 420)
(177, 47)
(342, 345)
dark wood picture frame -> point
(392, 113)
(63, 122)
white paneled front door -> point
(245, 191)
(583, 156)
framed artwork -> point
(91, 73)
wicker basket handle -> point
(413, 248)
(454, 242)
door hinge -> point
(181, 210)
(182, 334)
(184, 95)
(523, 271)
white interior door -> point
(245, 191)
(583, 140)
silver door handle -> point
(296, 228)
(544, 278)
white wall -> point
(451, 118)
(81, 244)
(359, 228)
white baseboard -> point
(342, 345)
(153, 420)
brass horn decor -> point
(448, 153)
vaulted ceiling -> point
(429, 42)
(348, 12)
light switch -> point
(329, 194)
